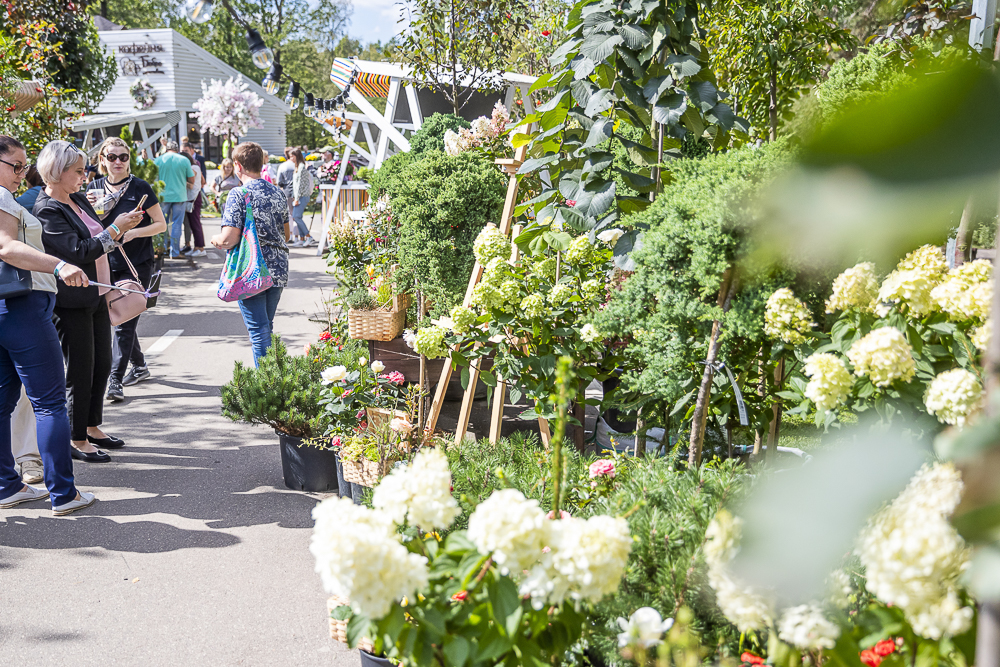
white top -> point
(32, 235)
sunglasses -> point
(17, 166)
(111, 157)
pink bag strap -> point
(135, 274)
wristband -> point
(115, 227)
(55, 272)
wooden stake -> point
(500, 393)
(775, 431)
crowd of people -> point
(60, 356)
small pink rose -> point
(361, 414)
(563, 514)
(602, 468)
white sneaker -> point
(31, 471)
(310, 242)
(28, 495)
(197, 253)
(84, 499)
(295, 244)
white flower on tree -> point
(953, 395)
(830, 382)
(910, 285)
(644, 628)
(359, 557)
(981, 336)
(419, 493)
(913, 557)
(511, 528)
(807, 628)
(967, 292)
(228, 108)
(786, 318)
(854, 289)
(884, 356)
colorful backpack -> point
(245, 272)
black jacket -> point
(67, 237)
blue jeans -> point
(174, 213)
(258, 316)
(30, 354)
(297, 211)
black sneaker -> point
(115, 393)
(135, 375)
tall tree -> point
(767, 52)
(459, 47)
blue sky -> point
(374, 20)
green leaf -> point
(504, 600)
(656, 87)
(684, 65)
(600, 102)
(537, 163)
(637, 182)
(357, 628)
(635, 37)
(670, 110)
(456, 651)
(599, 46)
(599, 133)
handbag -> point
(126, 305)
(15, 282)
(245, 273)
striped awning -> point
(370, 85)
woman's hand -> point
(218, 242)
(92, 196)
(73, 276)
(295, 202)
(128, 236)
(127, 221)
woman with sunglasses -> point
(122, 192)
(29, 348)
(74, 233)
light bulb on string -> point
(308, 105)
(200, 11)
(292, 98)
(261, 54)
(319, 113)
(272, 81)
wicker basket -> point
(338, 629)
(382, 325)
(363, 472)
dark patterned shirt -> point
(270, 213)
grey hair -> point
(172, 146)
(56, 159)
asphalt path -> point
(196, 553)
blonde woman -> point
(227, 180)
(302, 187)
(122, 192)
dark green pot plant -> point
(284, 393)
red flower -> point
(884, 647)
(336, 442)
(460, 596)
(751, 658)
(325, 336)
(519, 103)
(870, 658)
(570, 202)
(546, 33)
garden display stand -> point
(510, 166)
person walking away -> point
(302, 187)
(123, 192)
(29, 349)
(192, 219)
(267, 204)
(286, 173)
(72, 232)
(177, 176)
(34, 181)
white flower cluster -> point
(611, 236)
(745, 607)
(579, 252)
(981, 337)
(967, 292)
(590, 334)
(359, 557)
(806, 627)
(953, 395)
(910, 285)
(644, 628)
(786, 318)
(884, 356)
(462, 319)
(483, 131)
(228, 108)
(830, 382)
(854, 289)
(913, 557)
(491, 244)
(534, 305)
(419, 492)
(429, 342)
(568, 558)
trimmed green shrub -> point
(430, 136)
(379, 180)
(443, 202)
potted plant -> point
(284, 393)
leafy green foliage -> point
(284, 391)
(430, 136)
(144, 169)
(390, 171)
(443, 202)
(624, 64)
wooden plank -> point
(465, 413)
(500, 395)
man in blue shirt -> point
(177, 176)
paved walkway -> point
(196, 554)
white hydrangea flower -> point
(839, 584)
(744, 606)
(884, 356)
(589, 333)
(452, 143)
(491, 244)
(579, 251)
(981, 336)
(854, 289)
(410, 338)
(420, 491)
(786, 318)
(913, 557)
(333, 374)
(952, 396)
(358, 557)
(645, 628)
(830, 382)
(910, 285)
(429, 342)
(610, 236)
(534, 305)
(462, 319)
(722, 538)
(967, 292)
(511, 528)
(481, 127)
(805, 627)
(560, 294)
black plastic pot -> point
(357, 493)
(369, 660)
(621, 422)
(307, 468)
(343, 486)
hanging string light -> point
(292, 98)
(272, 80)
(308, 103)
